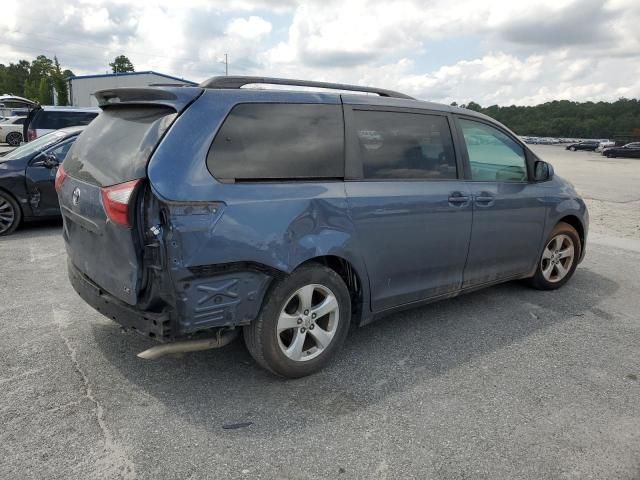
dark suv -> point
(43, 120)
(190, 212)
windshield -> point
(37, 145)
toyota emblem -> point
(75, 197)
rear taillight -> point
(61, 176)
(116, 200)
(31, 134)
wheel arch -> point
(577, 224)
(356, 282)
(10, 194)
(15, 199)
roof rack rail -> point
(238, 81)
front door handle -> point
(485, 199)
(458, 199)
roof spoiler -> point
(176, 97)
(238, 82)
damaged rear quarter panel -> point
(222, 257)
(226, 242)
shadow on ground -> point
(38, 228)
(392, 355)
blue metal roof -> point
(147, 72)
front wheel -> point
(573, 149)
(303, 322)
(559, 258)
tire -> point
(573, 149)
(10, 214)
(14, 139)
(563, 238)
(283, 325)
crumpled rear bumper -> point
(150, 324)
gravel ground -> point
(506, 382)
(610, 187)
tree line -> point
(38, 79)
(567, 119)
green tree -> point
(568, 119)
(40, 67)
(31, 91)
(474, 106)
(14, 78)
(59, 83)
(121, 64)
(44, 92)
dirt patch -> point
(614, 218)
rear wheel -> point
(303, 322)
(559, 258)
(14, 139)
(10, 214)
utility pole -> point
(226, 64)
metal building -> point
(82, 88)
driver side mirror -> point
(542, 171)
(49, 160)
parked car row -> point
(608, 148)
(41, 120)
(630, 150)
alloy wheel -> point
(7, 215)
(14, 139)
(557, 258)
(308, 322)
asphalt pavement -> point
(503, 383)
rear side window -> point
(117, 145)
(493, 155)
(279, 141)
(396, 145)
(19, 121)
(54, 120)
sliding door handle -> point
(484, 199)
(458, 199)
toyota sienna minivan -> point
(193, 214)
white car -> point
(11, 130)
(605, 144)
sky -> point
(492, 52)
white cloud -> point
(249, 28)
(518, 52)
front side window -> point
(60, 151)
(493, 155)
(397, 145)
(279, 141)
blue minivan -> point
(193, 214)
